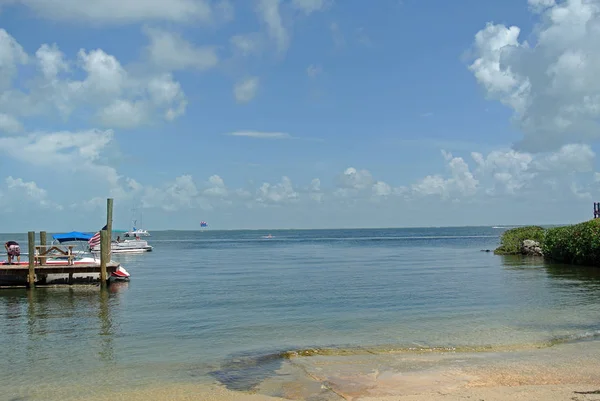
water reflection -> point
(43, 327)
(576, 282)
(106, 329)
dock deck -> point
(23, 270)
(46, 262)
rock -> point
(531, 248)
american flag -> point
(95, 240)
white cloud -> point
(181, 193)
(216, 187)
(551, 87)
(108, 92)
(9, 124)
(268, 11)
(355, 184)
(247, 44)
(277, 194)
(572, 158)
(510, 170)
(121, 11)
(11, 56)
(51, 61)
(20, 191)
(540, 5)
(123, 114)
(69, 153)
(314, 190)
(57, 148)
(262, 135)
(381, 188)
(461, 182)
(355, 179)
(310, 6)
(246, 90)
(169, 51)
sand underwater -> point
(563, 371)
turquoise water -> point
(221, 306)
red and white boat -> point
(81, 258)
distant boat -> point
(136, 232)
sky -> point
(297, 113)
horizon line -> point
(317, 229)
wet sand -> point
(561, 372)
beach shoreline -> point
(568, 371)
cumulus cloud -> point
(108, 92)
(216, 187)
(502, 174)
(276, 194)
(460, 183)
(181, 193)
(29, 192)
(551, 86)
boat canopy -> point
(72, 236)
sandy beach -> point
(561, 372)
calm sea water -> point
(219, 306)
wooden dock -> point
(38, 267)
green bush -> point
(512, 240)
(578, 244)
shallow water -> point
(223, 306)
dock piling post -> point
(109, 219)
(31, 250)
(42, 247)
(104, 254)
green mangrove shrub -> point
(578, 244)
(511, 241)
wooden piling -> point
(104, 254)
(31, 250)
(42, 251)
(109, 219)
(43, 241)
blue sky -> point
(297, 113)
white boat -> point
(126, 246)
(82, 257)
(136, 232)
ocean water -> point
(226, 307)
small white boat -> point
(126, 246)
(136, 232)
